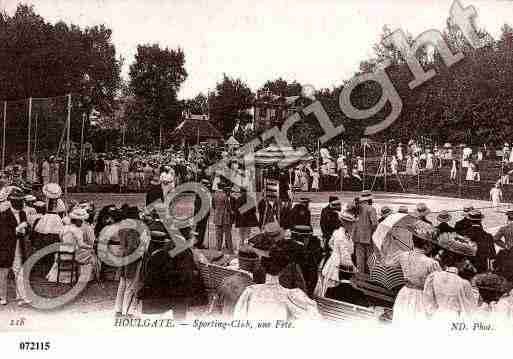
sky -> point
(315, 42)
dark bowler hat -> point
(333, 199)
(302, 230)
(16, 194)
(475, 215)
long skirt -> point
(409, 306)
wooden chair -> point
(337, 312)
(66, 263)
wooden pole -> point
(364, 156)
(385, 166)
(342, 169)
(3, 135)
(68, 126)
(35, 136)
(81, 151)
(29, 132)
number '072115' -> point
(34, 346)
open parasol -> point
(394, 236)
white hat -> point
(4, 194)
(52, 190)
(166, 177)
(78, 213)
(30, 198)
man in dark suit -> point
(201, 225)
(330, 219)
(13, 222)
(301, 213)
(308, 255)
(363, 229)
(465, 222)
(443, 226)
(155, 192)
(484, 241)
(223, 216)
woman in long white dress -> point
(342, 248)
(69, 238)
(448, 296)
(429, 161)
(416, 266)
(470, 172)
(409, 164)
(415, 166)
(114, 172)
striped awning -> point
(280, 155)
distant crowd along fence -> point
(40, 127)
(377, 174)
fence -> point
(36, 128)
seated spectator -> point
(271, 300)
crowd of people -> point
(132, 169)
(440, 270)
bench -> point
(337, 312)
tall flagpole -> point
(81, 151)
(68, 126)
(3, 135)
(29, 132)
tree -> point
(197, 105)
(229, 103)
(44, 60)
(281, 87)
(40, 60)
(155, 79)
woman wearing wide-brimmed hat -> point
(70, 237)
(342, 249)
(53, 193)
(448, 296)
(416, 266)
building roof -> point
(190, 129)
(232, 141)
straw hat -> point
(443, 216)
(457, 244)
(422, 209)
(79, 213)
(52, 190)
(274, 231)
(475, 215)
(30, 198)
(402, 209)
(385, 211)
(365, 196)
(166, 177)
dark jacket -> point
(154, 194)
(329, 221)
(286, 220)
(246, 219)
(445, 227)
(485, 246)
(301, 216)
(8, 237)
(462, 225)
